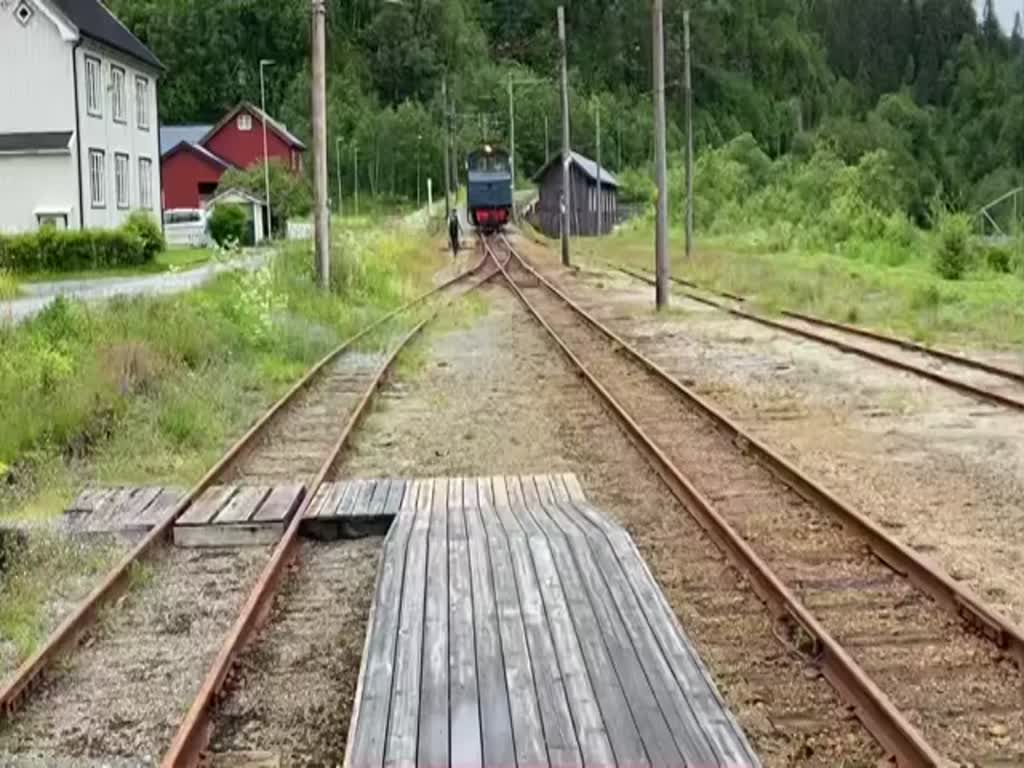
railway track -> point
(121, 694)
(928, 669)
(974, 378)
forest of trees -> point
(927, 81)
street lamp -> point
(266, 160)
(337, 171)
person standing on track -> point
(454, 231)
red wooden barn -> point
(194, 157)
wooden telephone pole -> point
(321, 216)
(689, 135)
(661, 163)
(447, 164)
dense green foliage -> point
(52, 250)
(227, 224)
(290, 193)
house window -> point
(121, 179)
(93, 87)
(145, 182)
(117, 99)
(23, 13)
(142, 102)
(245, 122)
(97, 178)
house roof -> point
(51, 141)
(272, 124)
(94, 20)
(199, 149)
(172, 135)
(585, 164)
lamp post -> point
(266, 160)
(337, 170)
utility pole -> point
(600, 186)
(447, 162)
(337, 170)
(689, 135)
(355, 176)
(266, 158)
(321, 222)
(512, 142)
(419, 143)
(566, 202)
(547, 143)
(661, 169)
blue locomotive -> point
(489, 194)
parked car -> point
(186, 227)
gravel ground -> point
(122, 695)
(297, 682)
(494, 399)
(941, 472)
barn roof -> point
(199, 149)
(172, 135)
(272, 124)
(585, 164)
(94, 20)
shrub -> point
(146, 228)
(953, 252)
(227, 223)
(999, 259)
(54, 250)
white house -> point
(79, 138)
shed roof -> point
(585, 164)
(172, 135)
(94, 20)
(35, 141)
(278, 127)
(234, 194)
(199, 149)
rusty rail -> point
(17, 687)
(874, 709)
(196, 728)
(960, 386)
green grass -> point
(9, 288)
(985, 308)
(171, 260)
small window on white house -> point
(142, 102)
(97, 178)
(245, 122)
(118, 103)
(93, 86)
(145, 182)
(121, 180)
(24, 12)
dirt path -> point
(494, 399)
(940, 471)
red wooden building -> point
(194, 157)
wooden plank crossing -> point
(128, 510)
(238, 515)
(516, 625)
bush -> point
(953, 252)
(54, 250)
(146, 228)
(999, 259)
(227, 223)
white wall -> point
(28, 182)
(105, 133)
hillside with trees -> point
(926, 81)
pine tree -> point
(991, 32)
(1017, 37)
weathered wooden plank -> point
(233, 535)
(572, 485)
(503, 509)
(434, 733)
(280, 504)
(628, 662)
(346, 502)
(464, 707)
(127, 516)
(375, 506)
(242, 506)
(361, 502)
(205, 508)
(495, 712)
(587, 720)
(527, 730)
(160, 508)
(87, 500)
(396, 497)
(517, 502)
(559, 734)
(403, 719)
(379, 672)
(702, 716)
(101, 519)
(320, 498)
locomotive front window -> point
(490, 163)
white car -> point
(186, 227)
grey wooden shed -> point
(586, 194)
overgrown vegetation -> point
(227, 224)
(290, 193)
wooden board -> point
(238, 516)
(515, 624)
(126, 510)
